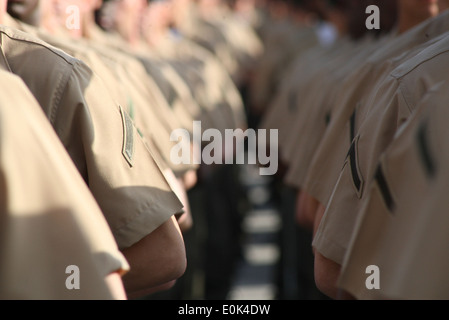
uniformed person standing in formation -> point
(128, 185)
(299, 109)
(361, 140)
(59, 225)
(113, 95)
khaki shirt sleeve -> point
(98, 134)
(50, 221)
(284, 102)
(130, 84)
(400, 228)
(330, 154)
(356, 92)
(375, 134)
(409, 82)
(119, 169)
(314, 125)
(306, 94)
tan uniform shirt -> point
(130, 85)
(209, 36)
(284, 102)
(208, 80)
(330, 154)
(156, 115)
(310, 128)
(98, 134)
(271, 66)
(395, 100)
(308, 93)
(171, 49)
(49, 219)
(161, 92)
(402, 227)
(244, 43)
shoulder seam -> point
(18, 37)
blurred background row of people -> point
(359, 153)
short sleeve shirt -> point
(401, 228)
(395, 101)
(330, 154)
(98, 134)
(49, 218)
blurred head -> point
(413, 12)
(61, 8)
(84, 6)
(2, 9)
(419, 9)
(159, 14)
(300, 12)
(67, 15)
(320, 8)
(443, 5)
(278, 9)
(24, 10)
(357, 17)
(123, 16)
(209, 3)
(244, 5)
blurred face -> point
(210, 3)
(127, 19)
(2, 9)
(96, 4)
(180, 8)
(22, 9)
(443, 5)
(245, 6)
(82, 5)
(132, 6)
(418, 9)
(357, 16)
(158, 14)
(130, 10)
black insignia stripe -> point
(352, 127)
(353, 164)
(171, 95)
(327, 118)
(384, 189)
(424, 151)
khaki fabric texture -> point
(394, 102)
(355, 91)
(306, 92)
(404, 236)
(208, 35)
(272, 64)
(285, 98)
(240, 38)
(310, 128)
(151, 93)
(209, 82)
(98, 134)
(49, 218)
